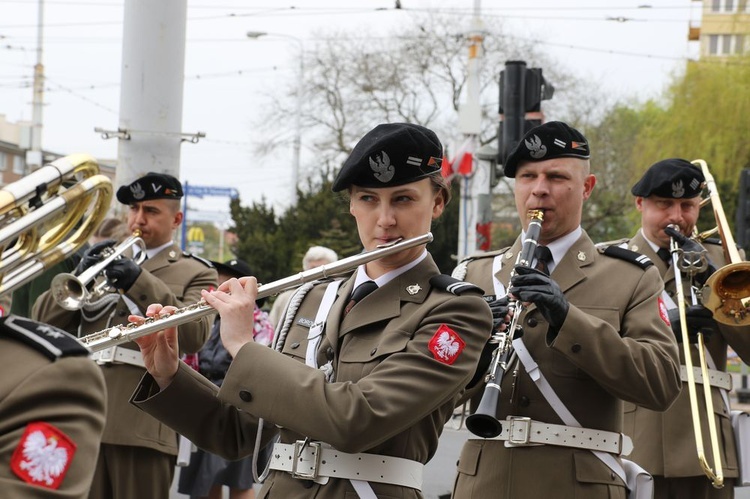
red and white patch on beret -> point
(663, 312)
(43, 455)
(446, 345)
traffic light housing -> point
(522, 91)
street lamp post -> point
(298, 113)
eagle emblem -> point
(446, 345)
(536, 149)
(137, 191)
(678, 190)
(381, 166)
(43, 455)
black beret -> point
(150, 186)
(553, 139)
(234, 267)
(671, 178)
(391, 154)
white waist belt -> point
(523, 432)
(118, 355)
(318, 461)
(717, 379)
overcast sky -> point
(630, 47)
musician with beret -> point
(669, 193)
(53, 402)
(135, 444)
(358, 385)
(593, 336)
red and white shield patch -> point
(446, 345)
(43, 455)
(663, 312)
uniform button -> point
(143, 297)
(532, 322)
(372, 352)
(246, 396)
(612, 475)
(295, 345)
(575, 348)
(524, 402)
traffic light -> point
(742, 224)
(522, 91)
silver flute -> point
(118, 335)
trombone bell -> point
(724, 292)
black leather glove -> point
(531, 285)
(122, 273)
(93, 255)
(698, 317)
(500, 310)
(691, 251)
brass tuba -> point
(47, 215)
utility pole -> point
(475, 186)
(34, 156)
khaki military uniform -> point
(391, 396)
(664, 441)
(171, 278)
(613, 346)
(48, 380)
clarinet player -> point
(363, 383)
(594, 333)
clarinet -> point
(484, 422)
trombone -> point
(725, 294)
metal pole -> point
(34, 157)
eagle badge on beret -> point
(137, 191)
(677, 189)
(536, 149)
(381, 166)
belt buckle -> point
(519, 431)
(106, 356)
(315, 449)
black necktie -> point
(362, 290)
(665, 255)
(543, 256)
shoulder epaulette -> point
(49, 340)
(642, 261)
(614, 242)
(453, 285)
(202, 260)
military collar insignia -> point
(581, 256)
(536, 149)
(413, 289)
(172, 254)
(508, 255)
(382, 167)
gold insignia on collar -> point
(508, 255)
(413, 289)
(582, 256)
(172, 254)
(634, 247)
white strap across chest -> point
(315, 334)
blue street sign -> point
(203, 190)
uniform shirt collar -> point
(388, 276)
(654, 247)
(560, 246)
(152, 252)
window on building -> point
(18, 164)
(726, 44)
(3, 160)
(726, 5)
(713, 44)
(739, 47)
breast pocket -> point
(561, 366)
(362, 352)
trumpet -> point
(47, 215)
(71, 291)
(484, 422)
(122, 334)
